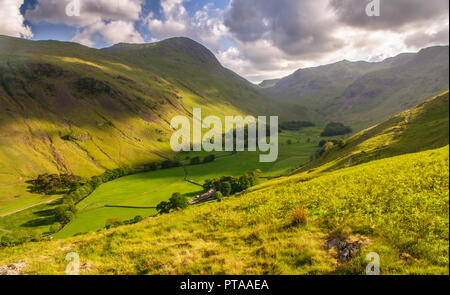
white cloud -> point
(269, 39)
(205, 26)
(112, 19)
(11, 20)
(277, 37)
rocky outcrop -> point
(347, 248)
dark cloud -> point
(394, 14)
(436, 38)
(297, 27)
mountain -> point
(268, 83)
(421, 128)
(363, 93)
(67, 108)
(192, 67)
(392, 201)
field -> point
(399, 205)
(149, 189)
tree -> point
(163, 207)
(65, 213)
(333, 129)
(195, 161)
(226, 189)
(209, 158)
(218, 196)
(177, 201)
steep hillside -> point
(66, 108)
(396, 207)
(422, 128)
(190, 66)
(361, 93)
(373, 194)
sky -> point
(258, 39)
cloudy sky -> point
(258, 39)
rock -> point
(347, 248)
(86, 266)
(12, 269)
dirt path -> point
(30, 206)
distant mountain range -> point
(363, 93)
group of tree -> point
(334, 129)
(295, 125)
(51, 184)
(229, 185)
(198, 161)
(177, 201)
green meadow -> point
(151, 188)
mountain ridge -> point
(341, 91)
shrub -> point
(163, 207)
(137, 219)
(55, 228)
(37, 236)
(170, 164)
(209, 158)
(195, 161)
(226, 189)
(300, 216)
(65, 213)
(177, 201)
(218, 196)
(113, 222)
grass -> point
(149, 189)
(117, 110)
(418, 129)
(400, 204)
(39, 218)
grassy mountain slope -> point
(421, 128)
(361, 93)
(66, 108)
(190, 66)
(399, 205)
(395, 201)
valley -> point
(102, 116)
